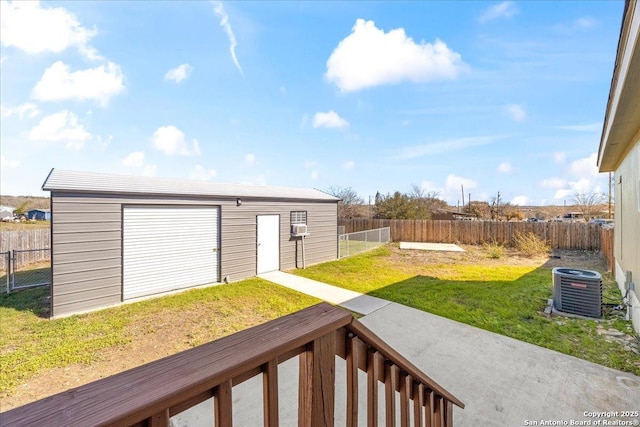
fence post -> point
(347, 245)
(13, 273)
(7, 264)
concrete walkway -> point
(353, 301)
(502, 381)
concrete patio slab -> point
(353, 301)
(445, 247)
(503, 381)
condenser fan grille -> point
(577, 292)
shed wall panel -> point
(90, 226)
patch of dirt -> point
(477, 255)
(152, 338)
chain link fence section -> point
(5, 268)
(30, 268)
(354, 243)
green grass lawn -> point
(31, 344)
(506, 299)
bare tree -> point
(590, 204)
(350, 202)
(426, 201)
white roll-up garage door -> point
(167, 248)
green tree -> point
(22, 208)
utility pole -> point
(462, 188)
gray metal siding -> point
(87, 241)
(86, 263)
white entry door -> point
(268, 243)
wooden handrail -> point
(151, 394)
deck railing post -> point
(270, 394)
(317, 383)
(372, 387)
(223, 405)
(352, 381)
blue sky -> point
(496, 96)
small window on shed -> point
(298, 217)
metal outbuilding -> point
(119, 237)
(39, 214)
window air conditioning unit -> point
(298, 230)
(577, 292)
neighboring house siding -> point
(87, 242)
(627, 233)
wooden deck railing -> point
(151, 394)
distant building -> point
(39, 214)
(6, 211)
(449, 215)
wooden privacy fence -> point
(561, 235)
(153, 393)
(26, 240)
(606, 248)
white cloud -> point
(563, 194)
(202, 174)
(429, 186)
(521, 201)
(180, 73)
(553, 183)
(171, 141)
(31, 28)
(308, 164)
(516, 112)
(330, 119)
(314, 175)
(585, 22)
(446, 146)
(61, 126)
(586, 167)
(559, 157)
(28, 109)
(505, 167)
(348, 165)
(370, 57)
(586, 175)
(150, 170)
(134, 159)
(589, 127)
(8, 163)
(105, 142)
(97, 84)
(250, 159)
(454, 182)
(580, 186)
(506, 9)
(224, 22)
(581, 24)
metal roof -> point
(88, 182)
(622, 117)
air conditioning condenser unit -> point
(577, 292)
